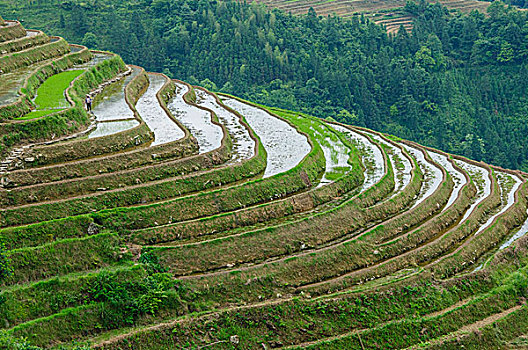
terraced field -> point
(389, 13)
(392, 21)
(347, 8)
(174, 217)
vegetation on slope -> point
(219, 257)
(456, 83)
(50, 95)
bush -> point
(123, 302)
(8, 342)
(6, 270)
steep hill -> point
(457, 82)
(174, 217)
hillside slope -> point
(174, 217)
(387, 13)
(457, 82)
(348, 8)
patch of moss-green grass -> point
(336, 173)
(50, 94)
(38, 114)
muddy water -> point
(31, 33)
(112, 127)
(522, 231)
(96, 59)
(482, 181)
(164, 128)
(458, 178)
(402, 175)
(196, 120)
(111, 108)
(111, 103)
(432, 175)
(507, 195)
(372, 157)
(243, 144)
(510, 199)
(11, 83)
(74, 49)
(284, 145)
(335, 152)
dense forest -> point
(458, 82)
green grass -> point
(50, 94)
(336, 173)
(38, 114)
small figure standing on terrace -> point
(88, 103)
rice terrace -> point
(175, 216)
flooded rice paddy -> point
(459, 179)
(284, 145)
(196, 120)
(243, 144)
(164, 128)
(372, 156)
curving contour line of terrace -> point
(174, 217)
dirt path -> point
(188, 318)
(469, 328)
(465, 329)
(307, 344)
(398, 257)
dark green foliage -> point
(122, 302)
(6, 270)
(456, 82)
(151, 261)
(7, 342)
(112, 299)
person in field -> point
(88, 103)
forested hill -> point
(457, 82)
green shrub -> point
(6, 270)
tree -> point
(78, 21)
(424, 59)
(454, 75)
(506, 53)
(228, 88)
(90, 40)
(345, 116)
(209, 85)
(62, 21)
